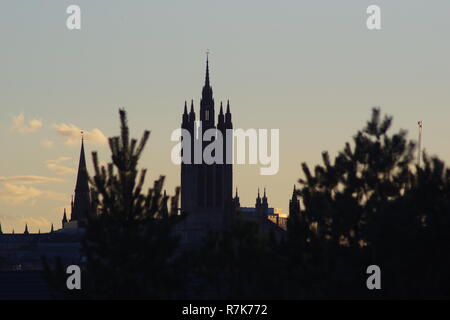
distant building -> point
(207, 189)
(206, 198)
(22, 252)
(80, 207)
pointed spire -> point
(64, 220)
(26, 229)
(228, 122)
(185, 116)
(237, 193)
(207, 70)
(264, 199)
(13, 231)
(82, 200)
(51, 230)
(258, 201)
(39, 231)
(1, 232)
(192, 113)
(220, 117)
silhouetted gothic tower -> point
(81, 203)
(206, 187)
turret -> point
(236, 201)
(228, 122)
(64, 220)
(294, 204)
(185, 121)
(258, 201)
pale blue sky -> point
(308, 68)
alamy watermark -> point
(253, 143)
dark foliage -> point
(373, 205)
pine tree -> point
(128, 244)
(372, 205)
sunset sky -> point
(308, 68)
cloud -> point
(38, 223)
(72, 134)
(56, 166)
(18, 194)
(19, 124)
(27, 180)
(47, 144)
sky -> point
(311, 69)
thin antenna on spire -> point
(419, 152)
(82, 136)
(207, 68)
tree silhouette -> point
(372, 205)
(238, 263)
(128, 245)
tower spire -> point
(26, 229)
(207, 70)
(82, 200)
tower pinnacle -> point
(207, 70)
(82, 200)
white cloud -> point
(20, 125)
(27, 180)
(47, 143)
(36, 223)
(56, 165)
(72, 134)
(17, 194)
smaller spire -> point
(185, 107)
(13, 231)
(51, 230)
(221, 107)
(229, 125)
(1, 232)
(237, 192)
(64, 220)
(26, 229)
(192, 106)
(39, 231)
(258, 194)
